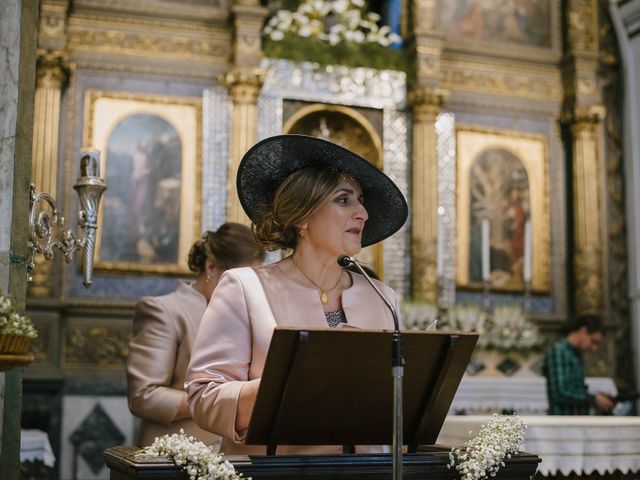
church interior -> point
(510, 126)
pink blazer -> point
(234, 336)
(164, 329)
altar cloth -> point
(34, 445)
(565, 444)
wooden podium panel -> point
(125, 463)
(334, 386)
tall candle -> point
(486, 255)
(526, 272)
(440, 249)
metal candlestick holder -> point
(47, 227)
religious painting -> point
(502, 210)
(523, 22)
(353, 128)
(150, 155)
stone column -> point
(244, 81)
(587, 221)
(244, 87)
(426, 103)
(583, 114)
(50, 76)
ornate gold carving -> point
(424, 281)
(425, 15)
(52, 18)
(112, 41)
(588, 283)
(87, 345)
(540, 86)
(52, 68)
(582, 17)
(426, 102)
(244, 84)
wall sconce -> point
(47, 230)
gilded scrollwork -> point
(244, 84)
(582, 18)
(88, 344)
(588, 280)
(114, 41)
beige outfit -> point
(164, 330)
(234, 336)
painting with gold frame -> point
(502, 177)
(353, 128)
(151, 160)
(534, 26)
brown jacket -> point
(164, 329)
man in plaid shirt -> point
(563, 367)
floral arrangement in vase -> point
(482, 456)
(198, 460)
(16, 331)
(329, 32)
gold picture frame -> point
(151, 158)
(502, 176)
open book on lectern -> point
(334, 386)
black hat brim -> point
(270, 161)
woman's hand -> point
(245, 404)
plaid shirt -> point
(566, 388)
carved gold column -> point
(244, 81)
(583, 114)
(50, 76)
(426, 99)
(244, 87)
(587, 219)
(426, 103)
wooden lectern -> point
(334, 387)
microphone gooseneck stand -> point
(397, 370)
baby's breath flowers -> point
(482, 456)
(12, 323)
(195, 458)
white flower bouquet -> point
(195, 458)
(482, 456)
(331, 21)
(511, 329)
(16, 331)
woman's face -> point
(336, 227)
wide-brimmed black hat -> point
(270, 161)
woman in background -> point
(164, 330)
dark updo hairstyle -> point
(299, 196)
(232, 245)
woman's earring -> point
(302, 232)
(208, 279)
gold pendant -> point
(324, 298)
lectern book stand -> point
(334, 387)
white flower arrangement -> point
(12, 323)
(417, 315)
(482, 456)
(469, 318)
(511, 329)
(347, 24)
(198, 460)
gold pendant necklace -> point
(324, 294)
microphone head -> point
(344, 260)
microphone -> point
(397, 370)
(345, 261)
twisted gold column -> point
(587, 256)
(244, 86)
(50, 76)
(426, 103)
